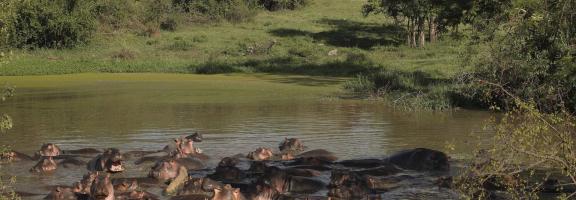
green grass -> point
(304, 36)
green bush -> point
(231, 10)
(116, 14)
(274, 5)
(43, 23)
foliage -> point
(274, 5)
(231, 10)
(530, 152)
(53, 24)
(414, 91)
(6, 191)
(531, 55)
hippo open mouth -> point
(116, 166)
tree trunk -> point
(432, 29)
(413, 34)
(408, 34)
(421, 34)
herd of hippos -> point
(264, 174)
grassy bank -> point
(304, 38)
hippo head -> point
(265, 192)
(126, 186)
(9, 156)
(112, 160)
(291, 144)
(46, 164)
(165, 170)
(61, 193)
(196, 137)
(340, 177)
(186, 146)
(86, 182)
(228, 162)
(227, 193)
(49, 149)
(102, 188)
(261, 154)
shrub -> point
(231, 10)
(274, 5)
(116, 14)
(43, 23)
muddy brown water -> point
(135, 114)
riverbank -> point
(304, 38)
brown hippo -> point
(45, 165)
(265, 192)
(125, 186)
(200, 186)
(110, 161)
(319, 154)
(48, 149)
(345, 184)
(85, 184)
(171, 172)
(261, 153)
(227, 193)
(292, 145)
(14, 156)
(284, 183)
(136, 195)
(62, 193)
(102, 188)
(227, 170)
(420, 159)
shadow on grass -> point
(347, 33)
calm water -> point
(236, 115)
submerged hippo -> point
(200, 187)
(102, 188)
(172, 172)
(420, 159)
(261, 153)
(62, 193)
(48, 149)
(292, 145)
(14, 156)
(45, 165)
(227, 193)
(284, 183)
(110, 161)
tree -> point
(417, 14)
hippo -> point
(291, 145)
(136, 195)
(361, 163)
(14, 156)
(62, 193)
(125, 186)
(45, 165)
(171, 172)
(227, 170)
(420, 159)
(265, 192)
(285, 183)
(102, 188)
(227, 193)
(49, 149)
(261, 153)
(345, 184)
(200, 186)
(319, 154)
(110, 161)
